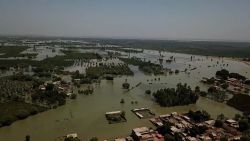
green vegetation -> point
(49, 63)
(15, 88)
(207, 48)
(224, 74)
(147, 92)
(218, 123)
(196, 130)
(245, 138)
(240, 102)
(6, 64)
(125, 85)
(146, 67)
(122, 101)
(67, 59)
(12, 51)
(244, 125)
(12, 111)
(247, 82)
(127, 50)
(96, 72)
(69, 54)
(165, 129)
(199, 116)
(51, 96)
(27, 138)
(182, 95)
(216, 94)
(78, 79)
(24, 88)
(73, 96)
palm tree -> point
(197, 89)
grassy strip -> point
(96, 72)
(60, 61)
(12, 51)
(146, 67)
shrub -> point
(73, 96)
(94, 139)
(7, 120)
(33, 110)
(22, 114)
(148, 92)
(243, 125)
(218, 123)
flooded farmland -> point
(86, 114)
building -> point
(73, 135)
(142, 134)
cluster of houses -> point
(235, 86)
(182, 122)
(61, 86)
(142, 134)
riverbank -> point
(13, 111)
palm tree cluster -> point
(96, 72)
(14, 90)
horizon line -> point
(127, 38)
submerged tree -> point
(147, 92)
(27, 138)
(182, 95)
(126, 85)
(94, 139)
(122, 101)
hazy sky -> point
(157, 19)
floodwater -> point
(86, 115)
(44, 52)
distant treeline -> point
(59, 60)
(209, 48)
